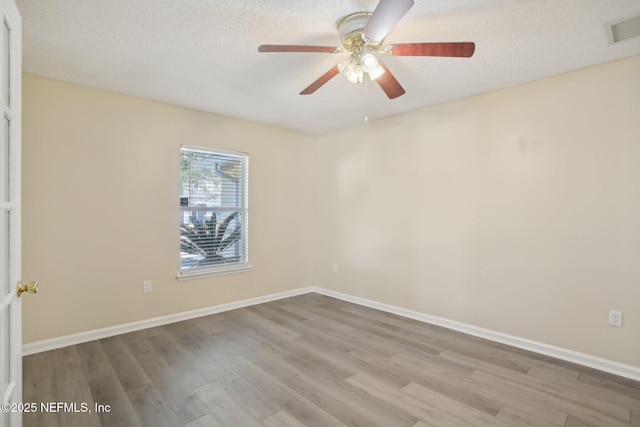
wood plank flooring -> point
(312, 360)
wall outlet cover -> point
(615, 318)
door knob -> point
(31, 288)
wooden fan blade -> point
(297, 48)
(384, 17)
(463, 50)
(389, 84)
(321, 81)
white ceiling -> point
(203, 54)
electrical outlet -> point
(615, 318)
(147, 286)
(334, 267)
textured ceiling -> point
(203, 54)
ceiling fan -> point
(362, 35)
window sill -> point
(219, 271)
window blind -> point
(214, 211)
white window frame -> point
(233, 267)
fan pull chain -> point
(366, 95)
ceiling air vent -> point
(623, 30)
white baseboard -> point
(627, 371)
(59, 342)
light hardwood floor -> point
(316, 361)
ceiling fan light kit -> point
(376, 73)
(352, 71)
(362, 35)
(368, 62)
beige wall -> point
(516, 211)
(100, 208)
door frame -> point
(11, 207)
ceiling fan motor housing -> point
(351, 29)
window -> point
(213, 211)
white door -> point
(10, 313)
